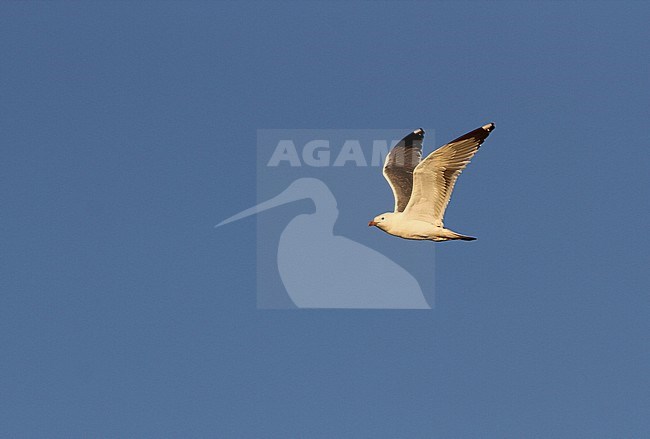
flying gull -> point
(422, 188)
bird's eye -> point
(382, 218)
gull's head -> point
(382, 221)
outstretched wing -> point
(434, 178)
(399, 166)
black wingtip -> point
(413, 139)
(480, 133)
(416, 135)
(489, 127)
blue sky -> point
(129, 130)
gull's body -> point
(422, 188)
(399, 224)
